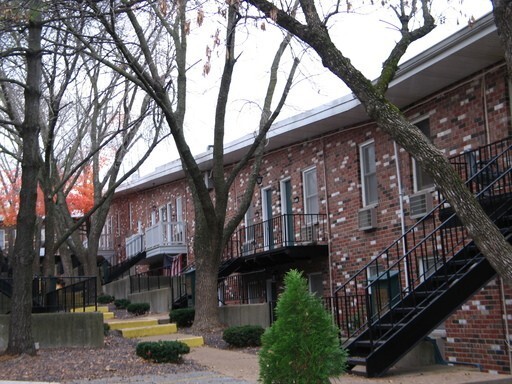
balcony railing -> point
(279, 232)
(134, 245)
(106, 242)
(165, 234)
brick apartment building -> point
(336, 192)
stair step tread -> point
(390, 325)
(356, 360)
(368, 343)
(121, 324)
(152, 330)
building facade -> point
(336, 192)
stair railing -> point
(423, 249)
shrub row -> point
(138, 308)
(162, 351)
(105, 299)
(183, 317)
(243, 336)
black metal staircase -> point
(411, 287)
(113, 272)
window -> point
(311, 205)
(428, 265)
(316, 285)
(422, 180)
(368, 173)
(249, 225)
(2, 239)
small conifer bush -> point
(243, 336)
(122, 303)
(105, 299)
(302, 345)
(138, 308)
(183, 317)
(162, 351)
(106, 329)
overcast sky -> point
(365, 38)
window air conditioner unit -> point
(420, 204)
(208, 180)
(367, 218)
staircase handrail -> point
(389, 266)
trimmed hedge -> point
(243, 336)
(183, 317)
(122, 303)
(138, 308)
(162, 351)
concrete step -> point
(91, 308)
(108, 315)
(132, 323)
(192, 341)
(150, 330)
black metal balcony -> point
(282, 237)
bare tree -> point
(40, 62)
(314, 32)
(160, 30)
(27, 125)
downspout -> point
(505, 316)
(402, 216)
(326, 195)
(486, 112)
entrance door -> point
(286, 209)
(268, 231)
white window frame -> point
(364, 175)
(249, 222)
(415, 166)
(308, 195)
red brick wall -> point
(458, 119)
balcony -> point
(166, 238)
(280, 239)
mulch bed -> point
(116, 358)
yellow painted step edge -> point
(108, 315)
(196, 341)
(155, 330)
(92, 308)
(123, 324)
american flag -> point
(176, 265)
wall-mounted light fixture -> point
(259, 179)
(296, 199)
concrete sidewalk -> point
(244, 367)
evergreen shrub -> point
(302, 345)
(243, 336)
(122, 303)
(183, 317)
(162, 351)
(138, 308)
(105, 299)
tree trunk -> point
(207, 252)
(20, 326)
(502, 10)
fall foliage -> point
(80, 198)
